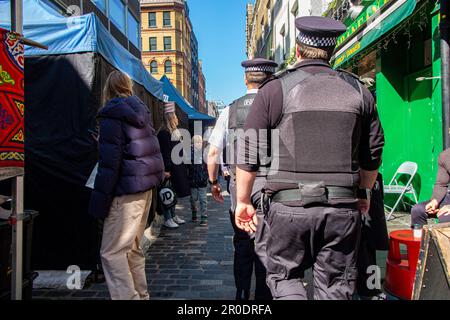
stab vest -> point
(238, 113)
(319, 129)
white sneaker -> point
(171, 224)
(178, 220)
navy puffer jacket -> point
(130, 159)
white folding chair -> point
(394, 188)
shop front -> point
(397, 46)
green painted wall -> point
(410, 111)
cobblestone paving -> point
(192, 262)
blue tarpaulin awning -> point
(174, 96)
(67, 35)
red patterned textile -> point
(11, 104)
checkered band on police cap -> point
(261, 68)
(314, 41)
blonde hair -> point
(118, 85)
(197, 139)
(171, 122)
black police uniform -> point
(245, 258)
(329, 129)
(374, 237)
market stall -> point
(63, 93)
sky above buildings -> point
(220, 29)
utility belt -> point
(309, 193)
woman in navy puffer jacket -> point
(130, 166)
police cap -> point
(260, 65)
(320, 32)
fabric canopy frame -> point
(172, 94)
(69, 35)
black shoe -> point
(243, 295)
(194, 217)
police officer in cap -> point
(330, 147)
(230, 122)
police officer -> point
(374, 237)
(230, 122)
(329, 152)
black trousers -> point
(420, 216)
(245, 259)
(374, 236)
(324, 238)
(367, 256)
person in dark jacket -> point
(169, 137)
(439, 206)
(374, 237)
(130, 166)
(198, 176)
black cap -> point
(260, 65)
(319, 32)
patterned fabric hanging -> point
(11, 105)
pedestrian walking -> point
(329, 151)
(169, 137)
(198, 176)
(130, 166)
(232, 119)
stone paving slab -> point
(191, 262)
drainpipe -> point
(445, 69)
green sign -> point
(362, 20)
(384, 26)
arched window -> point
(153, 67)
(168, 66)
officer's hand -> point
(216, 192)
(245, 217)
(363, 206)
(432, 207)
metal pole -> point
(17, 241)
(18, 188)
(445, 69)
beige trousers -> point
(122, 256)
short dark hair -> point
(257, 77)
(308, 52)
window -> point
(283, 42)
(153, 44)
(167, 43)
(263, 30)
(166, 19)
(100, 4)
(152, 19)
(133, 30)
(117, 14)
(294, 9)
(153, 67)
(168, 66)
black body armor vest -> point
(320, 130)
(238, 113)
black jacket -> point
(198, 170)
(179, 176)
(130, 160)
